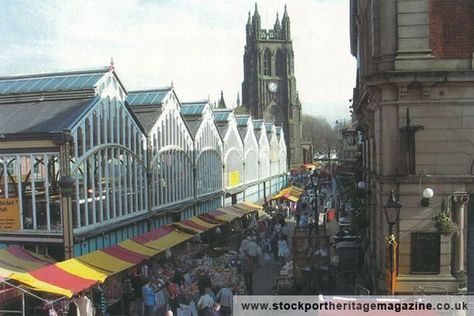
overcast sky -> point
(197, 44)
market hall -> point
(88, 164)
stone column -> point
(460, 200)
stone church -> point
(269, 86)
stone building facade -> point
(269, 86)
(413, 103)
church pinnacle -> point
(222, 102)
(277, 26)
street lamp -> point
(392, 211)
(315, 182)
(314, 178)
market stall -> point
(155, 255)
(16, 259)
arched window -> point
(267, 63)
(280, 63)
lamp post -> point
(392, 212)
(315, 183)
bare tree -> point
(323, 136)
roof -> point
(148, 97)
(221, 115)
(194, 108)
(17, 259)
(51, 82)
(268, 127)
(193, 124)
(242, 120)
(147, 117)
(41, 116)
(257, 124)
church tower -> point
(269, 86)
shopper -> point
(149, 298)
(244, 245)
(136, 305)
(205, 303)
(248, 265)
(297, 217)
(266, 249)
(282, 250)
(225, 298)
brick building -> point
(413, 103)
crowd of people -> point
(267, 241)
(147, 298)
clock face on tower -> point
(273, 86)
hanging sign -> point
(9, 214)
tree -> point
(321, 133)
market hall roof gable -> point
(196, 108)
(193, 113)
(36, 106)
(58, 84)
(148, 104)
(155, 108)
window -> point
(280, 64)
(425, 251)
(267, 63)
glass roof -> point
(193, 109)
(146, 97)
(49, 83)
(221, 116)
(257, 124)
(242, 120)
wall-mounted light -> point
(361, 185)
(428, 194)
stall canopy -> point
(75, 275)
(291, 193)
(16, 259)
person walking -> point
(206, 303)
(149, 298)
(282, 250)
(297, 217)
(225, 298)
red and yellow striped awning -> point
(74, 275)
(291, 193)
(16, 259)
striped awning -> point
(16, 259)
(74, 275)
(290, 193)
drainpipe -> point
(460, 200)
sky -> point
(197, 45)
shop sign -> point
(234, 178)
(9, 214)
